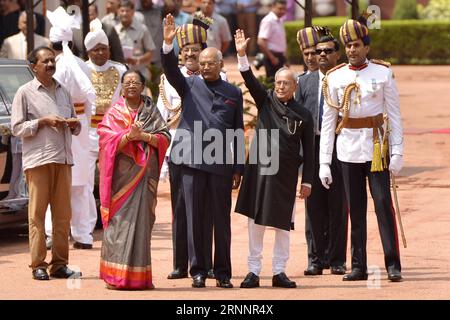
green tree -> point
(405, 9)
(436, 9)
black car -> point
(13, 192)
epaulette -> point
(381, 62)
(335, 68)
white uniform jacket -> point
(379, 94)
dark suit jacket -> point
(307, 94)
(115, 47)
(209, 105)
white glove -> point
(396, 164)
(325, 175)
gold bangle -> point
(126, 137)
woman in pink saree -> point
(133, 139)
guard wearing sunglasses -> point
(326, 215)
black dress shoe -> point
(40, 274)
(198, 281)
(251, 281)
(210, 274)
(177, 274)
(224, 283)
(281, 280)
(79, 245)
(395, 275)
(64, 273)
(355, 275)
(338, 270)
(313, 271)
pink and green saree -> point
(128, 184)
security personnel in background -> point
(105, 76)
(307, 39)
(357, 95)
(326, 212)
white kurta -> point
(378, 95)
(81, 91)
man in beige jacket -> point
(15, 47)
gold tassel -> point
(384, 152)
(376, 159)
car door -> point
(13, 192)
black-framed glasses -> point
(131, 83)
(327, 51)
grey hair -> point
(286, 69)
(219, 55)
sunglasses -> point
(327, 51)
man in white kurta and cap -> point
(73, 74)
(105, 76)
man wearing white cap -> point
(105, 76)
(72, 73)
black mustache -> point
(50, 68)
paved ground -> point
(423, 196)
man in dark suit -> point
(307, 39)
(209, 103)
(325, 208)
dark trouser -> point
(354, 175)
(206, 197)
(272, 69)
(326, 218)
(179, 224)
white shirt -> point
(73, 74)
(218, 32)
(321, 76)
(272, 30)
(378, 95)
(77, 83)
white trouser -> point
(164, 175)
(280, 248)
(92, 163)
(82, 223)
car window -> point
(11, 78)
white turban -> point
(61, 30)
(62, 24)
(95, 36)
